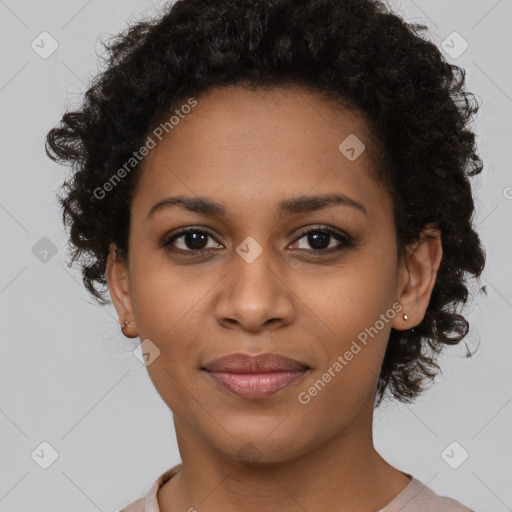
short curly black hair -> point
(357, 52)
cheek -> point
(354, 297)
(172, 305)
(357, 308)
(168, 300)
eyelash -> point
(346, 241)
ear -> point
(119, 287)
(417, 276)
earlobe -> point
(119, 288)
(420, 273)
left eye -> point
(319, 239)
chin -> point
(264, 445)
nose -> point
(255, 296)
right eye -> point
(195, 240)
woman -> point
(277, 195)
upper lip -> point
(259, 363)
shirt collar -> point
(150, 500)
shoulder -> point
(417, 497)
(136, 506)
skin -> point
(248, 151)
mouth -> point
(252, 377)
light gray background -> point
(68, 376)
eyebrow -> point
(294, 205)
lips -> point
(258, 376)
(262, 363)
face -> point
(315, 281)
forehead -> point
(239, 146)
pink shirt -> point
(416, 497)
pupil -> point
(314, 239)
(193, 239)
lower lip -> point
(255, 385)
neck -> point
(345, 473)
